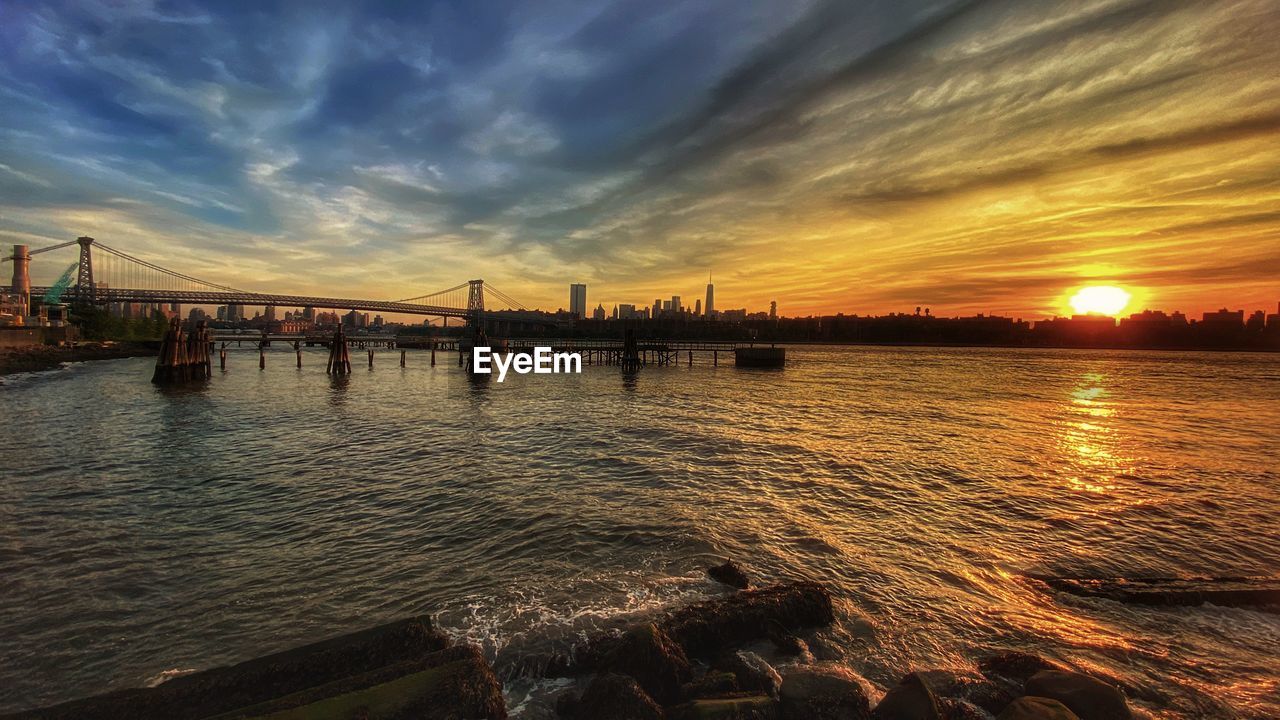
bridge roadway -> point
(209, 297)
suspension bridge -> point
(103, 275)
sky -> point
(833, 156)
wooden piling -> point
(199, 365)
(715, 358)
(690, 358)
(222, 359)
(262, 357)
(172, 362)
(339, 360)
(433, 353)
(401, 358)
(370, 359)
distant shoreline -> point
(36, 358)
(1010, 346)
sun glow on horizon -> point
(1100, 300)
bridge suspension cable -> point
(438, 294)
(504, 298)
(124, 270)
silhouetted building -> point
(578, 299)
(1224, 318)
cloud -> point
(829, 155)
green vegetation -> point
(96, 323)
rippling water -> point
(146, 532)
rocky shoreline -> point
(35, 358)
(689, 663)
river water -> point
(146, 532)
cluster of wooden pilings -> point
(339, 360)
(184, 356)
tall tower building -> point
(578, 300)
(21, 282)
(773, 310)
(709, 307)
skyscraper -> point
(773, 310)
(578, 300)
(709, 307)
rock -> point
(1006, 674)
(344, 664)
(708, 628)
(789, 645)
(1260, 593)
(756, 707)
(990, 695)
(1036, 708)
(753, 673)
(567, 704)
(957, 709)
(657, 663)
(948, 683)
(616, 697)
(1087, 697)
(731, 574)
(449, 685)
(715, 626)
(1013, 665)
(910, 699)
(716, 683)
(824, 691)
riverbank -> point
(743, 655)
(35, 358)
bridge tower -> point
(475, 307)
(86, 291)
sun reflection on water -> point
(1090, 442)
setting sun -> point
(1100, 300)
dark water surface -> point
(147, 532)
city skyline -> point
(971, 157)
